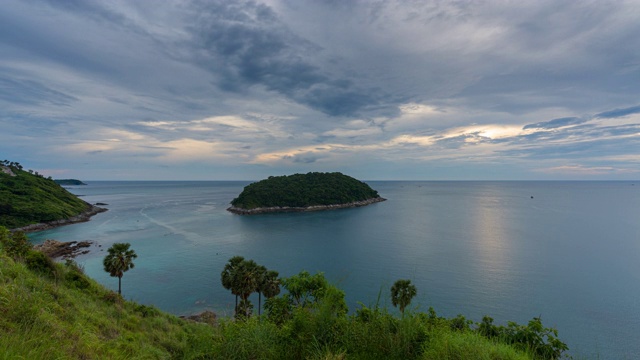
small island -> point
(313, 191)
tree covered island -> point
(303, 192)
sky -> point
(378, 90)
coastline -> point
(277, 209)
(82, 217)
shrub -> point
(147, 311)
(540, 341)
(77, 280)
(40, 263)
(15, 244)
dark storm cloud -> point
(254, 48)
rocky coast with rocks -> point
(277, 209)
(65, 250)
(82, 217)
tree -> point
(118, 261)
(269, 285)
(242, 277)
(402, 292)
(248, 274)
(304, 288)
(229, 276)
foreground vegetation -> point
(304, 190)
(27, 197)
(53, 311)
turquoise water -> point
(566, 251)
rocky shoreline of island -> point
(82, 217)
(278, 209)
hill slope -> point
(309, 191)
(28, 198)
(53, 311)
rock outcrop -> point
(85, 216)
(65, 250)
(276, 209)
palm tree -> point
(402, 292)
(269, 285)
(230, 276)
(118, 261)
(248, 275)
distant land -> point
(69, 182)
(31, 202)
(313, 191)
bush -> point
(147, 311)
(540, 341)
(40, 263)
(77, 280)
(15, 244)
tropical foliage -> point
(245, 277)
(118, 261)
(402, 292)
(310, 320)
(303, 190)
(62, 314)
(27, 197)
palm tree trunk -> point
(259, 302)
(119, 285)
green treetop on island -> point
(304, 190)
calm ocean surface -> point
(570, 254)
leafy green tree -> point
(402, 292)
(304, 288)
(118, 261)
(306, 292)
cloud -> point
(302, 158)
(246, 44)
(555, 123)
(29, 92)
(619, 112)
(252, 87)
(576, 169)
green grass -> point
(56, 312)
(44, 317)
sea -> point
(565, 251)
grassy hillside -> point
(303, 190)
(53, 311)
(29, 198)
